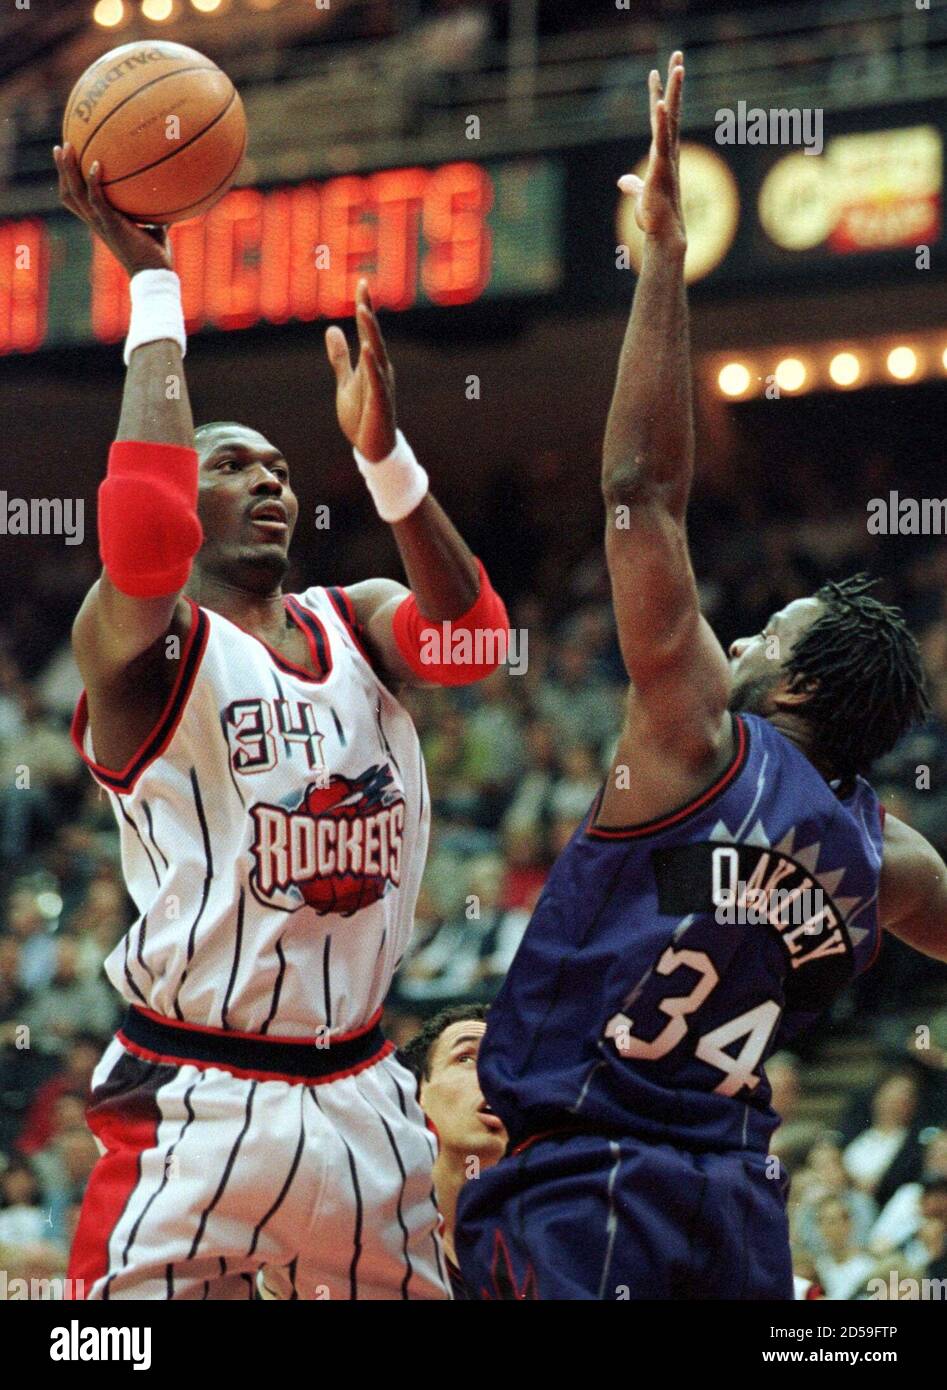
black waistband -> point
(321, 1060)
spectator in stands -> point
(843, 1265)
(29, 926)
(78, 850)
(934, 1236)
(929, 1052)
(75, 1079)
(868, 64)
(921, 1259)
(451, 767)
(824, 1176)
(495, 745)
(526, 868)
(11, 681)
(13, 997)
(901, 1218)
(886, 1154)
(22, 1217)
(453, 38)
(24, 1067)
(99, 921)
(928, 1245)
(468, 955)
(579, 785)
(60, 684)
(33, 767)
(64, 1165)
(782, 1073)
(580, 708)
(530, 811)
(70, 1004)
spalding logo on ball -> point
(336, 849)
(167, 126)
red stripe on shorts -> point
(114, 1179)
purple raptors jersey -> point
(664, 963)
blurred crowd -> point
(868, 1199)
(513, 764)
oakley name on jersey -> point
(665, 962)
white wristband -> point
(156, 310)
(397, 483)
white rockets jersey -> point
(274, 829)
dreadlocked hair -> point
(864, 668)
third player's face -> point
(452, 1099)
(246, 504)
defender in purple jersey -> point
(732, 874)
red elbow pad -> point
(148, 527)
(459, 651)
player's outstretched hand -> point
(365, 395)
(657, 196)
(135, 247)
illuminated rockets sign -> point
(466, 231)
(422, 236)
(24, 281)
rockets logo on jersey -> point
(336, 849)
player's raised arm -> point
(148, 527)
(677, 667)
(449, 585)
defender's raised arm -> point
(677, 667)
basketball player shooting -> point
(731, 876)
(272, 802)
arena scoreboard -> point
(449, 235)
(551, 231)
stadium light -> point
(108, 13)
(845, 369)
(206, 6)
(733, 379)
(790, 374)
(902, 363)
(157, 10)
(943, 359)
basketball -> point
(167, 125)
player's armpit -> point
(912, 899)
(679, 671)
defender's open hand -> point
(657, 196)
